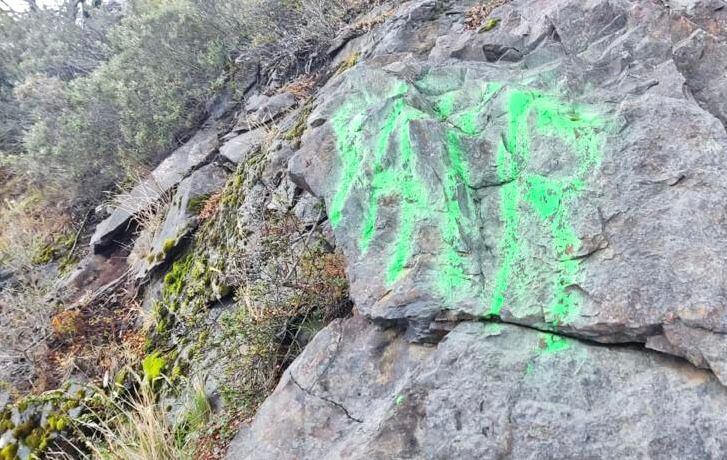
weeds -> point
(350, 61)
(33, 232)
(209, 207)
(301, 87)
(367, 24)
(24, 329)
(196, 415)
(128, 425)
(476, 17)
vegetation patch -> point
(210, 206)
(295, 133)
(277, 282)
(301, 87)
(35, 425)
(350, 61)
(196, 203)
(476, 18)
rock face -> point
(181, 218)
(239, 148)
(195, 152)
(527, 205)
(563, 170)
(486, 391)
(261, 109)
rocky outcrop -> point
(195, 152)
(486, 391)
(181, 218)
(240, 147)
(261, 109)
(531, 203)
(551, 172)
(529, 206)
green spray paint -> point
(374, 143)
(493, 329)
(399, 180)
(548, 345)
(547, 199)
(551, 343)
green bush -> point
(94, 96)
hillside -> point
(361, 229)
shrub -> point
(130, 425)
(97, 95)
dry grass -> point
(143, 198)
(301, 87)
(149, 217)
(24, 328)
(365, 25)
(131, 426)
(29, 224)
(350, 61)
(43, 345)
(476, 16)
(294, 42)
(210, 207)
(34, 230)
(96, 338)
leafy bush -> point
(97, 97)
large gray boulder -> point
(486, 391)
(551, 172)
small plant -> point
(296, 132)
(476, 17)
(196, 203)
(301, 87)
(153, 366)
(350, 61)
(168, 245)
(365, 25)
(210, 206)
(149, 220)
(490, 24)
(196, 414)
(66, 323)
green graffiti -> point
(379, 158)
(549, 199)
(550, 343)
(493, 329)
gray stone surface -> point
(261, 109)
(239, 148)
(181, 218)
(598, 213)
(247, 74)
(486, 391)
(196, 151)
